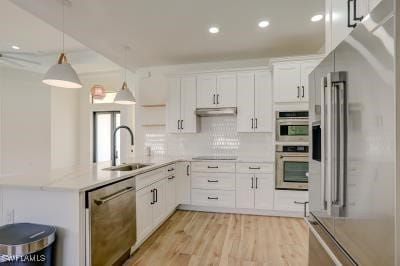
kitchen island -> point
(59, 197)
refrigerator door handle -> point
(340, 129)
(324, 86)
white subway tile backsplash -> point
(218, 136)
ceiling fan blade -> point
(17, 53)
(6, 61)
(20, 59)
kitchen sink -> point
(127, 167)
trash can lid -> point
(25, 238)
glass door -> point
(104, 124)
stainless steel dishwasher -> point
(111, 218)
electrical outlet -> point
(10, 215)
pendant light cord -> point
(63, 26)
(126, 48)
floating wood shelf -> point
(154, 105)
(153, 125)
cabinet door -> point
(245, 102)
(244, 191)
(183, 183)
(306, 69)
(173, 105)
(188, 105)
(170, 194)
(264, 191)
(287, 82)
(159, 207)
(206, 91)
(226, 90)
(263, 101)
(144, 212)
(340, 30)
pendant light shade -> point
(62, 75)
(98, 92)
(124, 96)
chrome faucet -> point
(114, 146)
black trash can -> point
(26, 244)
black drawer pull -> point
(212, 167)
(172, 177)
(254, 168)
(213, 198)
(212, 181)
(171, 169)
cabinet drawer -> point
(285, 200)
(254, 168)
(213, 167)
(213, 198)
(222, 181)
(150, 177)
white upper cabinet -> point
(188, 105)
(226, 90)
(254, 101)
(206, 91)
(181, 105)
(291, 80)
(173, 105)
(245, 103)
(263, 101)
(342, 17)
(216, 90)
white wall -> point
(25, 122)
(218, 135)
(64, 115)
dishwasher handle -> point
(117, 194)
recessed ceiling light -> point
(15, 47)
(263, 24)
(213, 30)
(317, 18)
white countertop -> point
(82, 178)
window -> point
(104, 124)
(109, 98)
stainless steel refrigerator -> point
(353, 147)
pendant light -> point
(125, 96)
(98, 92)
(62, 74)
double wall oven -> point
(291, 158)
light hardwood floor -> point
(200, 238)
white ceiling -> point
(162, 32)
(42, 42)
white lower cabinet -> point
(255, 191)
(144, 212)
(170, 194)
(183, 183)
(213, 198)
(290, 200)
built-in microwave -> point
(291, 167)
(292, 126)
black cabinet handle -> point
(157, 194)
(254, 168)
(179, 124)
(213, 98)
(171, 169)
(213, 198)
(171, 177)
(256, 123)
(355, 12)
(187, 170)
(256, 182)
(212, 181)
(252, 182)
(349, 25)
(153, 196)
(303, 91)
(212, 167)
(252, 123)
(217, 98)
(298, 91)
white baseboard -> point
(240, 211)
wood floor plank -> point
(201, 238)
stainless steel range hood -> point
(227, 111)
